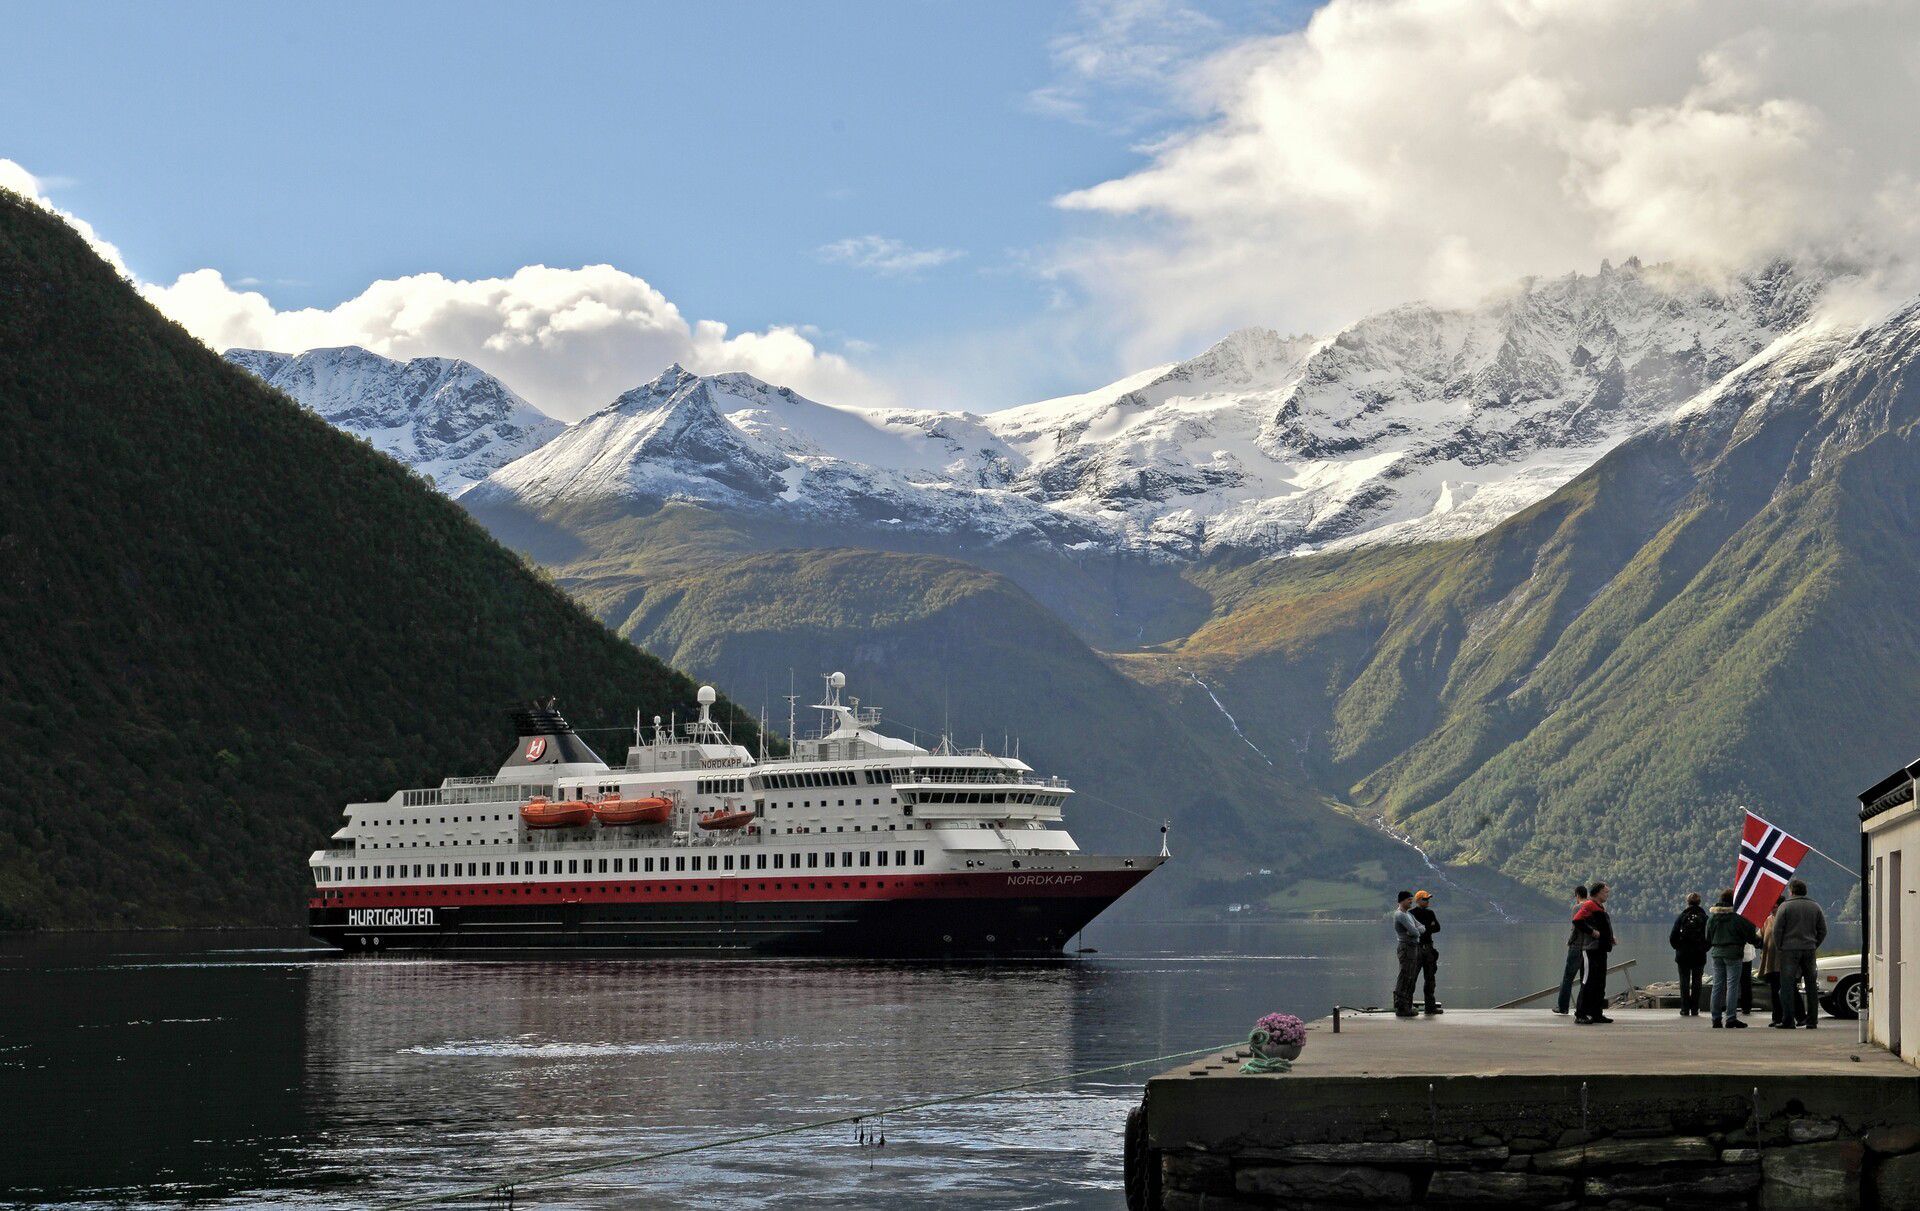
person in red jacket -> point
(1593, 937)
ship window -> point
(486, 868)
(416, 871)
(760, 862)
(729, 861)
(900, 857)
(842, 802)
(543, 868)
(515, 866)
(866, 857)
(649, 865)
(846, 859)
(813, 860)
(713, 863)
(603, 866)
(619, 866)
(829, 859)
(679, 864)
(389, 872)
(883, 858)
(919, 857)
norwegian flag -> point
(1768, 856)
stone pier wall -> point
(1708, 1157)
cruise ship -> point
(856, 843)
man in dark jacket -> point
(1407, 932)
(1728, 936)
(1689, 941)
(1571, 972)
(1799, 927)
(1429, 955)
(1593, 930)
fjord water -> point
(232, 1069)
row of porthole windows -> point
(575, 866)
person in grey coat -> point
(1799, 927)
(1407, 932)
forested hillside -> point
(222, 619)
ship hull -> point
(1003, 914)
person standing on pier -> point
(1770, 970)
(1593, 930)
(1689, 942)
(1728, 936)
(1799, 928)
(1429, 955)
(1407, 932)
(1572, 969)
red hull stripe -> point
(757, 887)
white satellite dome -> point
(838, 681)
(706, 696)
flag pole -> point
(1814, 849)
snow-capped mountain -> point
(447, 419)
(732, 440)
(1417, 422)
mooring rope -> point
(505, 1184)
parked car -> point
(1842, 993)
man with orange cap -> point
(1429, 955)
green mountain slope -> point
(222, 619)
(1712, 616)
(941, 642)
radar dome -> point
(838, 681)
(706, 696)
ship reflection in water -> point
(239, 1070)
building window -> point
(1880, 908)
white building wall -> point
(1894, 980)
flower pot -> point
(1268, 1048)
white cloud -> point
(1120, 56)
(885, 256)
(16, 178)
(570, 340)
(1396, 149)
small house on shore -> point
(1890, 911)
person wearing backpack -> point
(1728, 936)
(1689, 941)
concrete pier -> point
(1521, 1107)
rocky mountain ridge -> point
(1415, 423)
(447, 419)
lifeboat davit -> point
(615, 811)
(738, 818)
(542, 813)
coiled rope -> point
(506, 1185)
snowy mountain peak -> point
(446, 418)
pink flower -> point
(1283, 1028)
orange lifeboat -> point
(615, 811)
(715, 820)
(542, 813)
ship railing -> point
(475, 780)
(474, 793)
(984, 778)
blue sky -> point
(714, 150)
(954, 204)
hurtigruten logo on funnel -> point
(536, 748)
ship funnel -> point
(546, 738)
